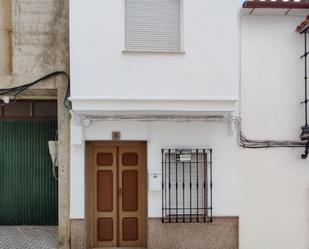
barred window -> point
(153, 25)
(186, 185)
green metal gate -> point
(28, 190)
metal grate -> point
(28, 191)
(186, 185)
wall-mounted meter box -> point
(155, 181)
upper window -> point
(153, 25)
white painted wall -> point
(273, 197)
(209, 67)
(274, 183)
(202, 81)
(167, 135)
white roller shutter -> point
(153, 25)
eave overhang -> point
(154, 107)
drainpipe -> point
(5, 37)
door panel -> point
(105, 159)
(105, 229)
(131, 209)
(130, 190)
(105, 188)
(129, 159)
(104, 213)
(118, 194)
(130, 229)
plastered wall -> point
(101, 69)
(274, 183)
(166, 135)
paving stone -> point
(28, 237)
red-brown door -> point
(118, 194)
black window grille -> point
(186, 185)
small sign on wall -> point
(116, 135)
(183, 155)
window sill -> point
(153, 52)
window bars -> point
(186, 185)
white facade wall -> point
(272, 198)
(160, 135)
(274, 183)
(204, 80)
(99, 68)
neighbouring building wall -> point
(5, 37)
(34, 41)
(274, 183)
(40, 44)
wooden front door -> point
(118, 194)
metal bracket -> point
(305, 155)
(305, 129)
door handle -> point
(120, 192)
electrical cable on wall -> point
(243, 141)
(263, 144)
(15, 91)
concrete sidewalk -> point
(28, 237)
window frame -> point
(194, 210)
(181, 35)
(32, 114)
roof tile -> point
(279, 4)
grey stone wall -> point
(39, 40)
(34, 41)
(40, 36)
(222, 233)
